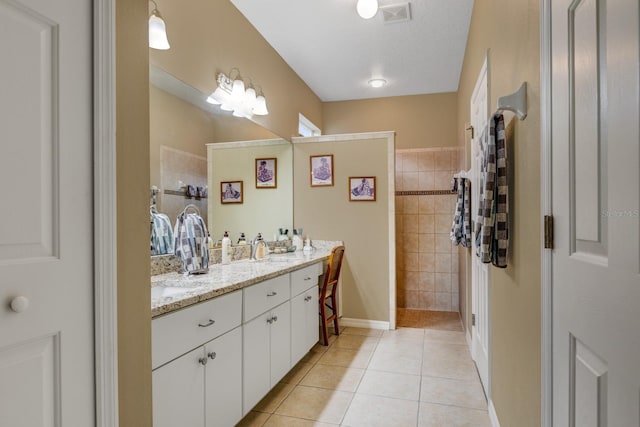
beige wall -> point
(212, 36)
(510, 29)
(132, 157)
(326, 213)
(419, 121)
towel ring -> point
(191, 207)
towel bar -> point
(516, 102)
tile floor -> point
(407, 377)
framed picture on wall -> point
(362, 188)
(267, 173)
(321, 170)
(231, 192)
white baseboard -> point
(363, 323)
(468, 338)
(492, 414)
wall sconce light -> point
(367, 8)
(232, 95)
(157, 30)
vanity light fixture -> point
(376, 83)
(233, 95)
(367, 9)
(157, 30)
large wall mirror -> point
(195, 144)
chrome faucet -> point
(259, 248)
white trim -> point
(303, 121)
(467, 336)
(364, 323)
(343, 137)
(105, 273)
(546, 384)
(253, 143)
(493, 416)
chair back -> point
(333, 268)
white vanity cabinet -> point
(304, 310)
(198, 386)
(266, 340)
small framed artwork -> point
(321, 170)
(231, 192)
(362, 188)
(267, 173)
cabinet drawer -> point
(305, 278)
(179, 332)
(264, 296)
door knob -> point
(19, 304)
(212, 355)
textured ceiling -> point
(336, 52)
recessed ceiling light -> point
(377, 82)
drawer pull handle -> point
(270, 320)
(272, 294)
(212, 355)
(307, 278)
(308, 298)
(206, 325)
(202, 361)
(275, 318)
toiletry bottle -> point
(226, 248)
(242, 240)
(297, 240)
(210, 243)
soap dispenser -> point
(226, 248)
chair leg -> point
(335, 312)
(323, 324)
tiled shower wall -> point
(426, 260)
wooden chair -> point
(328, 293)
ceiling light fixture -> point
(233, 95)
(377, 83)
(367, 8)
(157, 30)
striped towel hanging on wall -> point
(461, 227)
(492, 223)
(191, 242)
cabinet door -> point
(255, 355)
(298, 328)
(280, 350)
(223, 380)
(178, 390)
(312, 322)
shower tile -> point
(455, 302)
(443, 301)
(412, 280)
(427, 300)
(443, 223)
(443, 282)
(455, 285)
(455, 261)
(443, 243)
(443, 263)
(427, 263)
(399, 157)
(410, 223)
(442, 160)
(426, 180)
(410, 162)
(412, 262)
(442, 205)
(408, 243)
(399, 224)
(412, 299)
(426, 161)
(443, 180)
(426, 224)
(411, 181)
(426, 205)
(426, 243)
(427, 281)
(410, 204)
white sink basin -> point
(166, 291)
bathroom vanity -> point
(222, 340)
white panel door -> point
(596, 191)
(46, 248)
(256, 380)
(280, 346)
(479, 270)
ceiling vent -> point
(393, 13)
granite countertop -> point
(173, 291)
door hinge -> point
(548, 231)
(473, 320)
